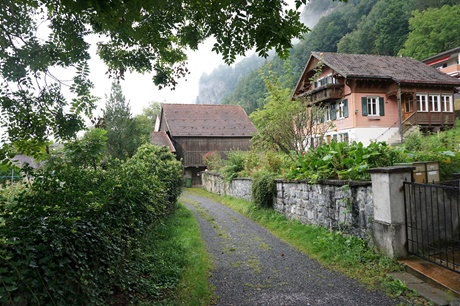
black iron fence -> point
(432, 223)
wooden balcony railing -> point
(324, 93)
(429, 119)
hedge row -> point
(72, 237)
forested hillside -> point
(415, 28)
(222, 81)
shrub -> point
(414, 140)
(233, 165)
(263, 190)
(213, 160)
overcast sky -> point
(139, 89)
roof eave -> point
(296, 88)
(448, 52)
(450, 84)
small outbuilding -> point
(192, 130)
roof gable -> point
(207, 120)
(161, 139)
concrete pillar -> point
(389, 225)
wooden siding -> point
(324, 93)
(430, 119)
(192, 149)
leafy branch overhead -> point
(38, 36)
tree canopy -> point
(283, 124)
(125, 133)
(433, 31)
(144, 36)
(383, 31)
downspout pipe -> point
(401, 133)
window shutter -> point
(364, 105)
(333, 112)
(345, 108)
(381, 107)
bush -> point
(339, 160)
(263, 190)
(213, 161)
(73, 236)
(233, 165)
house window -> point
(327, 113)
(339, 109)
(373, 106)
(408, 105)
(422, 103)
(446, 103)
(434, 103)
(343, 137)
(316, 116)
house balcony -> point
(431, 120)
(324, 93)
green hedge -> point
(72, 237)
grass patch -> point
(181, 261)
(349, 255)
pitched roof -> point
(161, 139)
(442, 54)
(207, 120)
(399, 69)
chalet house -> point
(376, 98)
(447, 62)
(192, 130)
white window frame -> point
(344, 137)
(422, 102)
(340, 110)
(446, 103)
(435, 103)
(373, 101)
(327, 115)
(408, 106)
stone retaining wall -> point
(339, 205)
(239, 188)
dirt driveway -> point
(253, 267)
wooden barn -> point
(192, 130)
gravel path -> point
(253, 267)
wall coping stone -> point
(327, 182)
(392, 169)
(221, 176)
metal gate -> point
(432, 223)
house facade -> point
(376, 98)
(192, 130)
(447, 62)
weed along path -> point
(253, 267)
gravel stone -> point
(253, 267)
